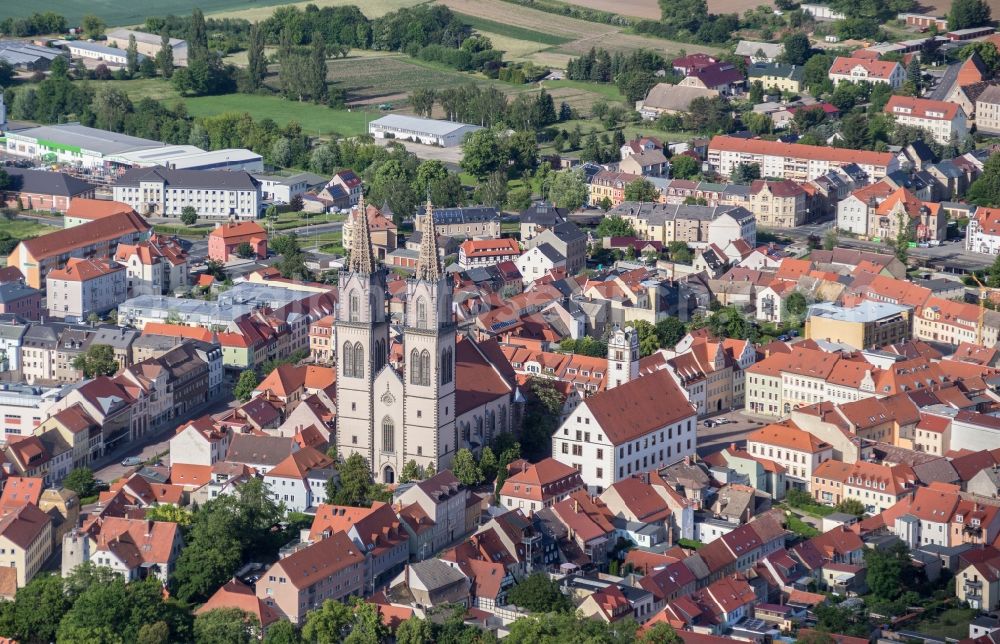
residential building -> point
(988, 110)
(533, 486)
(487, 252)
(854, 213)
(214, 194)
(778, 204)
(539, 261)
(236, 594)
(472, 222)
(647, 164)
(944, 121)
(723, 77)
(199, 442)
(798, 451)
(17, 298)
(982, 235)
(44, 190)
(96, 240)
(868, 325)
(328, 569)
(82, 211)
(697, 226)
(350, 183)
(155, 267)
(643, 424)
(299, 481)
(540, 217)
(978, 580)
(877, 487)
(794, 161)
(950, 322)
(566, 239)
(376, 531)
(434, 512)
(225, 240)
(134, 548)
(383, 231)
(611, 186)
(281, 189)
(321, 341)
(861, 70)
(776, 76)
(85, 287)
(25, 541)
(759, 52)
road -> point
(714, 439)
(153, 444)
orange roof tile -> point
(789, 437)
(799, 151)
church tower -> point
(429, 351)
(623, 356)
(362, 341)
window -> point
(421, 313)
(388, 435)
(425, 368)
(447, 367)
(414, 367)
(354, 308)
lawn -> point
(513, 31)
(24, 228)
(953, 623)
(607, 90)
(314, 119)
(801, 528)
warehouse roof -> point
(87, 138)
(421, 125)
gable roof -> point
(639, 406)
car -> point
(709, 423)
(131, 461)
(722, 421)
(784, 338)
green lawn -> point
(314, 119)
(800, 527)
(24, 228)
(607, 90)
(512, 31)
(953, 622)
(115, 12)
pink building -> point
(226, 239)
(332, 568)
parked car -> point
(131, 461)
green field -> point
(115, 12)
(513, 31)
(24, 228)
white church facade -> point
(450, 393)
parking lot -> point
(711, 439)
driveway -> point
(452, 156)
(715, 439)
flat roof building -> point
(75, 144)
(867, 325)
(444, 134)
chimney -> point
(576, 506)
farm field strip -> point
(512, 31)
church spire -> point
(361, 259)
(428, 267)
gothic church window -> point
(425, 368)
(354, 308)
(388, 435)
(446, 366)
(421, 313)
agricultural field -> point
(262, 9)
(645, 9)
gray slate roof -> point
(48, 183)
(203, 179)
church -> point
(450, 393)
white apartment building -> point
(214, 194)
(794, 161)
(983, 232)
(24, 408)
(83, 287)
(644, 424)
(861, 70)
(944, 121)
(799, 452)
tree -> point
(282, 632)
(539, 594)
(483, 152)
(684, 14)
(81, 480)
(245, 251)
(256, 60)
(465, 468)
(93, 27)
(660, 633)
(985, 191)
(815, 73)
(170, 513)
(968, 13)
(890, 571)
(410, 472)
(98, 360)
(132, 56)
(796, 304)
(683, 166)
(914, 74)
(797, 48)
(422, 101)
(641, 190)
(165, 57)
(189, 215)
(415, 631)
(851, 506)
(745, 173)
(615, 226)
(197, 37)
(355, 487)
(155, 633)
(225, 626)
(669, 331)
(317, 87)
(830, 239)
(245, 385)
(854, 133)
(649, 341)
(680, 252)
(986, 50)
(488, 463)
(567, 189)
(357, 623)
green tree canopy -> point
(246, 384)
(683, 166)
(539, 594)
(189, 215)
(615, 226)
(225, 626)
(466, 469)
(97, 360)
(81, 480)
(567, 189)
(641, 190)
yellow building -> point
(869, 324)
(787, 78)
(25, 541)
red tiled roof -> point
(64, 241)
(236, 594)
(80, 270)
(96, 208)
(799, 151)
(922, 108)
(875, 68)
(233, 231)
(789, 437)
(639, 406)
